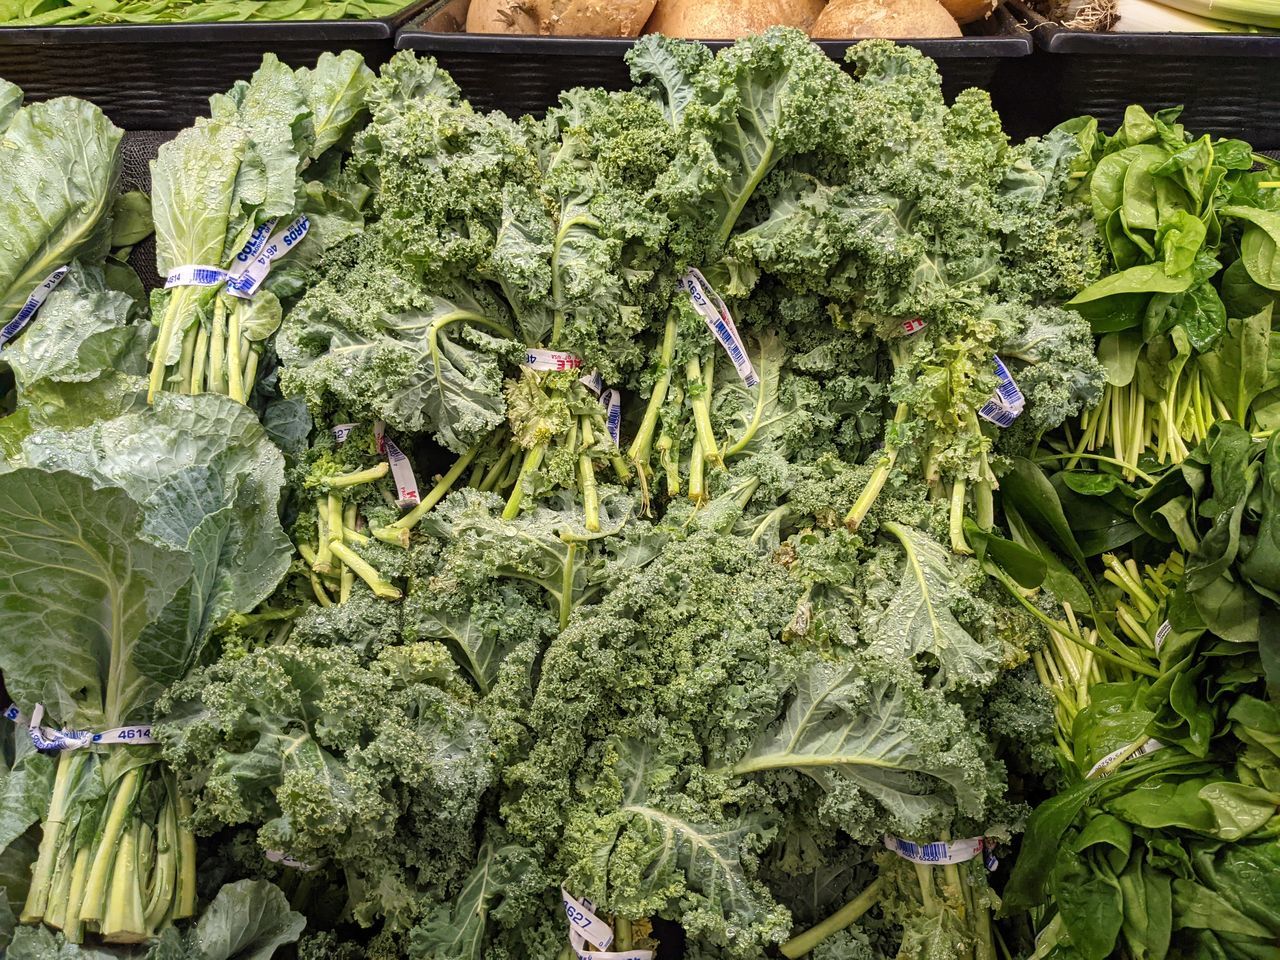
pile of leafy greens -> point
(674, 507)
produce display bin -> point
(160, 76)
(523, 74)
(1228, 83)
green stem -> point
(566, 584)
(350, 516)
(700, 399)
(165, 877)
(397, 533)
(124, 920)
(638, 452)
(958, 544)
(73, 929)
(253, 358)
(189, 341)
(879, 477)
(381, 588)
(324, 556)
(218, 348)
(532, 461)
(587, 480)
(344, 480)
(67, 776)
(168, 324)
(846, 916)
(498, 470)
(1144, 477)
(185, 904)
(235, 362)
(200, 362)
(123, 797)
(697, 473)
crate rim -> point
(280, 31)
(1056, 39)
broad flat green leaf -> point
(41, 943)
(248, 920)
(24, 794)
(193, 180)
(81, 331)
(335, 93)
(81, 583)
(272, 112)
(59, 162)
(839, 725)
(131, 221)
(15, 879)
(1237, 365)
(1037, 502)
(210, 481)
(10, 103)
(1118, 353)
(918, 619)
(1148, 278)
(1260, 245)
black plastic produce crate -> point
(1228, 83)
(160, 76)
(521, 74)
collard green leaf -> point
(247, 920)
(82, 331)
(48, 221)
(335, 93)
(78, 648)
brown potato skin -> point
(730, 19)
(969, 11)
(597, 18)
(503, 16)
(894, 19)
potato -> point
(597, 18)
(896, 19)
(503, 16)
(730, 19)
(967, 11)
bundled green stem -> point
(120, 865)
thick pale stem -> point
(201, 361)
(587, 481)
(362, 569)
(185, 362)
(253, 356)
(847, 915)
(218, 348)
(344, 480)
(958, 543)
(324, 557)
(638, 453)
(73, 929)
(68, 772)
(168, 325)
(879, 477)
(532, 461)
(700, 401)
(349, 519)
(185, 905)
(124, 920)
(566, 585)
(235, 362)
(397, 533)
(697, 473)
(95, 894)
